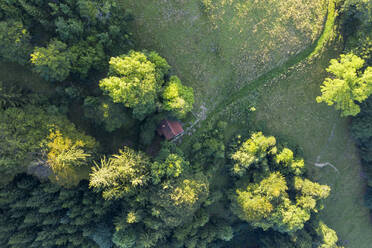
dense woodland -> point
(358, 27)
(81, 165)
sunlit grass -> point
(239, 54)
(221, 48)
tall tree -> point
(172, 167)
(328, 237)
(11, 96)
(272, 194)
(53, 62)
(134, 81)
(66, 153)
(24, 138)
(35, 214)
(104, 112)
(178, 98)
(140, 82)
(253, 151)
(91, 32)
(348, 85)
(121, 175)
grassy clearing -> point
(328, 35)
(286, 108)
(206, 49)
(219, 46)
(239, 105)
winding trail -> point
(308, 53)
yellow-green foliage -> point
(133, 217)
(53, 62)
(177, 97)
(348, 85)
(253, 151)
(66, 151)
(187, 193)
(285, 158)
(29, 133)
(328, 236)
(268, 205)
(172, 167)
(253, 207)
(255, 201)
(135, 81)
(266, 199)
(309, 188)
(132, 80)
(120, 175)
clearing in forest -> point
(286, 108)
(220, 46)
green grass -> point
(329, 27)
(287, 109)
(236, 56)
(311, 51)
(206, 49)
(222, 48)
(236, 108)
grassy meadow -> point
(217, 47)
(288, 110)
(220, 47)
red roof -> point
(170, 129)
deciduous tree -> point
(253, 152)
(172, 167)
(178, 98)
(327, 235)
(274, 195)
(53, 62)
(348, 86)
(134, 82)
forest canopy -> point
(83, 164)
